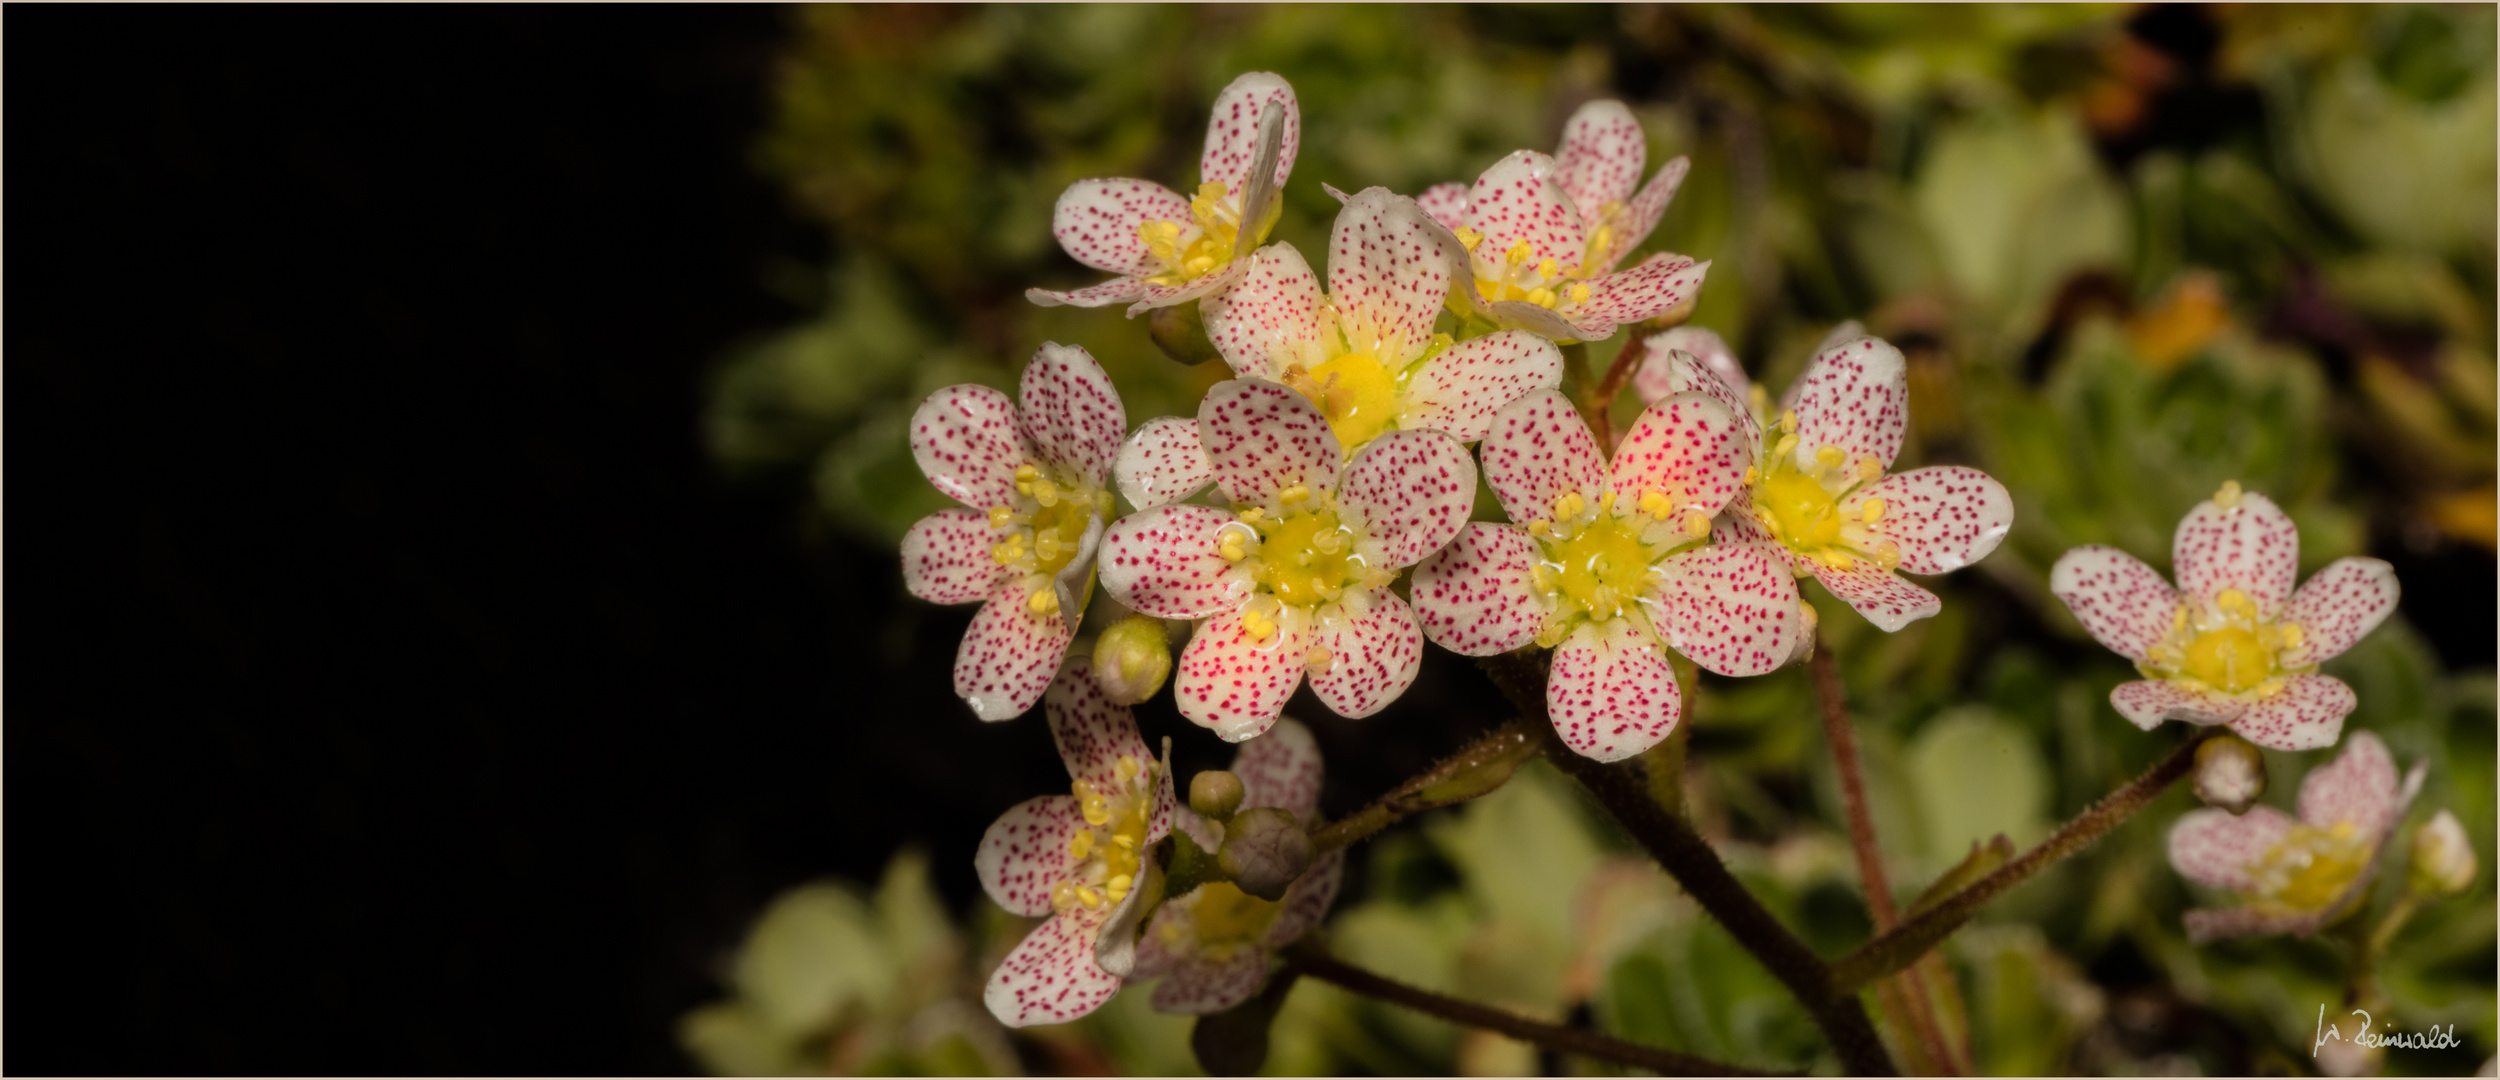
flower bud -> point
(1215, 793)
(2230, 773)
(1265, 849)
(2443, 857)
(1132, 659)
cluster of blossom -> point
(1339, 460)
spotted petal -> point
(2307, 713)
(1658, 285)
(1388, 273)
(1236, 685)
(1163, 463)
(1446, 202)
(1640, 215)
(946, 558)
(2359, 786)
(968, 444)
(1709, 366)
(1071, 412)
(2252, 547)
(2123, 603)
(1516, 200)
(1074, 582)
(1408, 492)
(1854, 396)
(1263, 438)
(1025, 852)
(1233, 131)
(1091, 731)
(1460, 390)
(1211, 983)
(1687, 447)
(1281, 769)
(1944, 517)
(1097, 220)
(1009, 654)
(1732, 608)
(1879, 594)
(1118, 290)
(1538, 449)
(1373, 656)
(1601, 155)
(1208, 284)
(1164, 562)
(2147, 702)
(1476, 596)
(2337, 606)
(1270, 320)
(1307, 899)
(1612, 693)
(1051, 977)
(2214, 847)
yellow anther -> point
(1004, 553)
(1081, 845)
(1294, 494)
(2179, 619)
(1470, 237)
(1125, 769)
(1000, 516)
(1259, 627)
(1541, 297)
(1788, 420)
(1044, 601)
(1598, 239)
(1119, 884)
(1888, 554)
(1045, 492)
(1656, 504)
(1124, 841)
(1027, 472)
(1253, 514)
(1520, 253)
(1836, 560)
(1086, 895)
(1752, 476)
(1759, 398)
(1579, 292)
(2233, 600)
(1213, 191)
(2293, 635)
(1696, 524)
(1199, 265)
(1096, 810)
(1786, 444)
(1063, 895)
(1869, 468)
(1540, 527)
(1317, 659)
(1873, 511)
(1549, 269)
(2229, 497)
(1830, 456)
(1568, 505)
(1232, 548)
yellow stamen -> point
(2293, 635)
(1549, 269)
(1540, 527)
(1253, 514)
(1044, 601)
(1470, 237)
(1579, 292)
(1125, 769)
(1081, 845)
(1000, 516)
(1317, 659)
(1696, 524)
(1888, 554)
(1232, 547)
(1294, 494)
(1655, 504)
(1519, 253)
(1063, 895)
(1786, 444)
(1869, 468)
(1830, 456)
(1086, 895)
(1259, 627)
(2229, 497)
(1788, 420)
(1873, 511)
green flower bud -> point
(1215, 794)
(1132, 659)
(1265, 849)
(2443, 857)
(2230, 774)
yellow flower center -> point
(2311, 866)
(1517, 274)
(1228, 915)
(1039, 532)
(1307, 558)
(2230, 659)
(1803, 510)
(1355, 391)
(1597, 565)
(1187, 256)
(2227, 646)
(1799, 502)
(1107, 850)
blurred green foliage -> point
(2130, 254)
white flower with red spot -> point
(1035, 482)
(2234, 643)
(1295, 578)
(1543, 234)
(1819, 498)
(1609, 568)
(1168, 248)
(1364, 350)
(1080, 858)
(1211, 944)
(2293, 875)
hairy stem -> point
(1902, 946)
(1477, 769)
(1309, 960)
(1576, 368)
(1619, 374)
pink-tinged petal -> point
(1164, 562)
(1263, 438)
(2306, 713)
(1074, 582)
(1687, 447)
(1281, 769)
(1660, 283)
(1163, 463)
(1171, 937)
(1372, 656)
(2340, 605)
(1477, 596)
(1517, 199)
(2214, 847)
(1731, 608)
(1856, 396)
(1408, 493)
(2147, 702)
(1708, 366)
(1233, 131)
(1335, 192)
(1458, 391)
(1051, 977)
(1446, 202)
(1640, 215)
(1612, 693)
(1879, 594)
(1388, 274)
(2213, 924)
(1307, 900)
(1025, 852)
(1097, 220)
(1601, 155)
(1009, 654)
(2252, 547)
(1236, 685)
(1208, 284)
(1118, 290)
(968, 444)
(1945, 517)
(1092, 732)
(1115, 945)
(1272, 318)
(1207, 983)
(946, 558)
(2124, 604)
(2359, 786)
(1071, 412)
(1538, 449)
(1522, 315)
